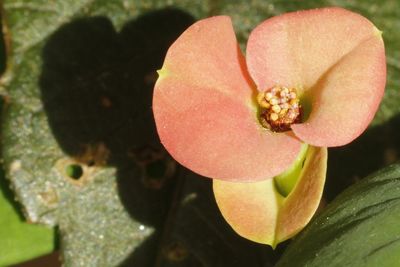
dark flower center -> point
(280, 108)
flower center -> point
(280, 108)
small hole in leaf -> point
(91, 163)
(74, 171)
(156, 169)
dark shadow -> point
(96, 87)
(52, 260)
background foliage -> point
(80, 148)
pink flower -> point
(314, 77)
(204, 105)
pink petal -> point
(347, 97)
(204, 109)
(251, 209)
(335, 57)
(258, 212)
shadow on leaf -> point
(96, 87)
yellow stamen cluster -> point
(280, 108)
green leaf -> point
(359, 228)
(20, 240)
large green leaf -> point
(359, 228)
(79, 143)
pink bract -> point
(204, 100)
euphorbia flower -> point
(314, 77)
